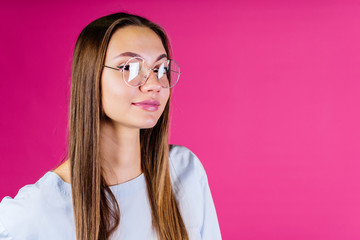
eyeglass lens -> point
(135, 73)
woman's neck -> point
(120, 153)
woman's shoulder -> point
(27, 195)
(185, 161)
(21, 209)
(186, 170)
(32, 195)
(31, 203)
(190, 185)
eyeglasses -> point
(135, 72)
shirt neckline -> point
(119, 190)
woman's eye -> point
(124, 67)
(162, 69)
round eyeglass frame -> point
(146, 77)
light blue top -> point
(44, 210)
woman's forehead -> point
(140, 40)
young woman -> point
(122, 180)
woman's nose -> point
(151, 82)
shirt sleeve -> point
(210, 229)
(194, 195)
(4, 235)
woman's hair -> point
(96, 211)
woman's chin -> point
(150, 123)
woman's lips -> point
(149, 101)
(148, 107)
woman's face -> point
(118, 99)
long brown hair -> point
(96, 211)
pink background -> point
(268, 101)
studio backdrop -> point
(268, 100)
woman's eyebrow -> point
(161, 56)
(132, 54)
